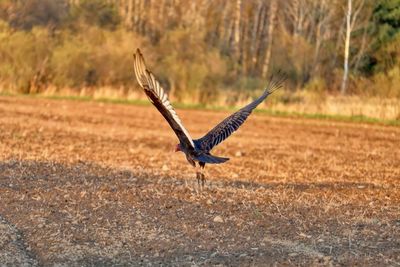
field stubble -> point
(85, 183)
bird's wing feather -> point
(159, 99)
(225, 128)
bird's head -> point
(178, 148)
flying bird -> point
(196, 150)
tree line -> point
(198, 47)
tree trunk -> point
(346, 48)
(260, 44)
(243, 48)
(122, 9)
(129, 14)
(236, 31)
(324, 14)
(136, 16)
(255, 36)
(271, 25)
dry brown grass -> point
(90, 183)
(301, 102)
(372, 107)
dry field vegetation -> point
(88, 183)
(283, 101)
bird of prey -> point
(196, 150)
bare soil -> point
(94, 184)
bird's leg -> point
(198, 177)
(202, 176)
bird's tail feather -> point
(207, 158)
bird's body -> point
(200, 154)
(196, 150)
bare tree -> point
(323, 16)
(350, 22)
(236, 31)
(271, 25)
(122, 8)
(129, 13)
(297, 13)
(255, 34)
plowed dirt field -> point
(95, 184)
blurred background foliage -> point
(200, 49)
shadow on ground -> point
(87, 215)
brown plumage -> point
(196, 150)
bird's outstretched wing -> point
(159, 99)
(225, 128)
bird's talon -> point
(203, 180)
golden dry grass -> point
(301, 102)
